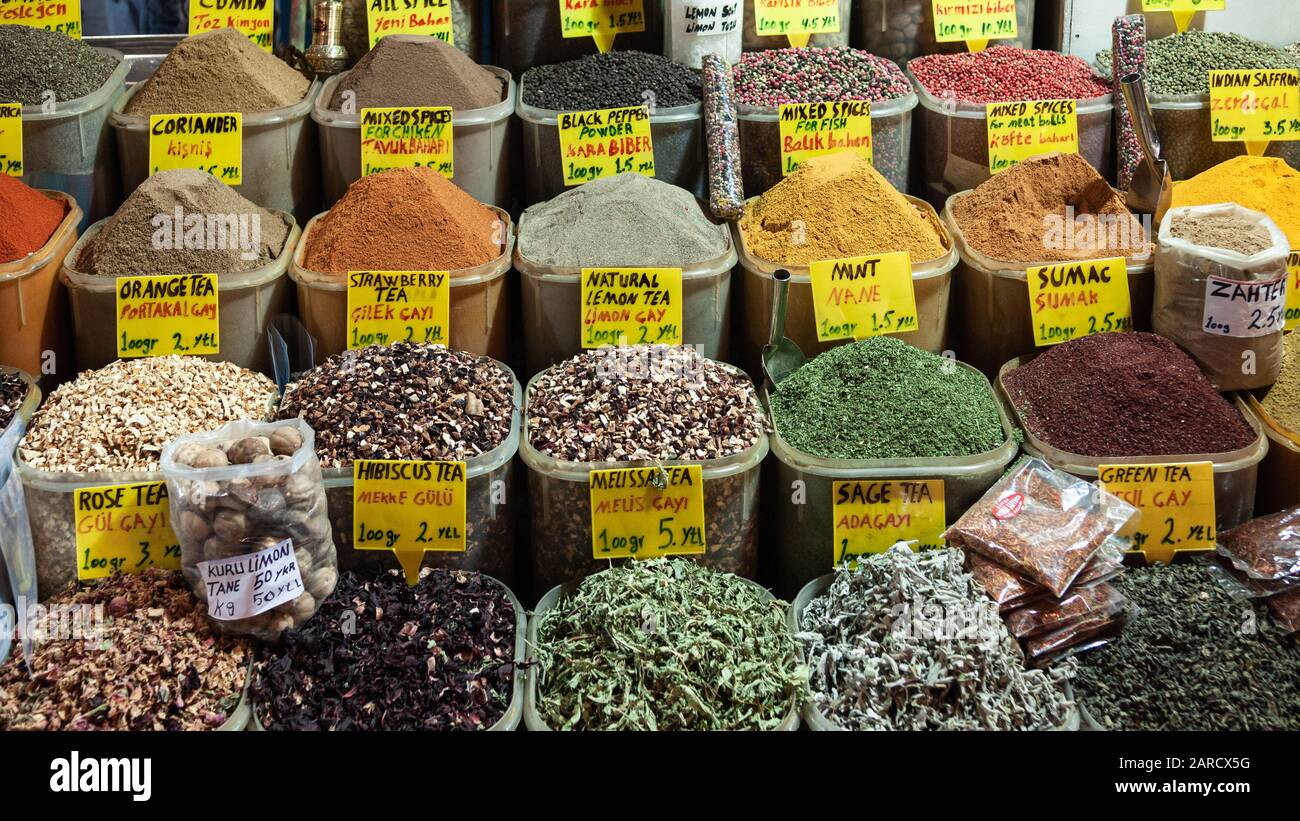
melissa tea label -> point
(631, 306)
(1018, 131)
(644, 513)
(165, 315)
(812, 129)
(1177, 504)
(409, 507)
(255, 18)
(871, 517)
(1068, 300)
(11, 139)
(604, 143)
(974, 23)
(797, 20)
(407, 137)
(124, 528)
(860, 297)
(1255, 107)
(209, 142)
(601, 20)
(428, 17)
(63, 16)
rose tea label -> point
(797, 20)
(63, 16)
(1177, 504)
(428, 17)
(858, 297)
(414, 137)
(1068, 300)
(209, 142)
(1244, 309)
(11, 139)
(644, 513)
(164, 315)
(124, 528)
(1255, 107)
(398, 306)
(605, 142)
(631, 306)
(812, 129)
(601, 20)
(1184, 10)
(409, 507)
(871, 517)
(255, 18)
(975, 23)
(244, 586)
(1018, 131)
(1293, 290)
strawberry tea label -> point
(209, 142)
(398, 306)
(631, 306)
(241, 587)
(63, 16)
(1184, 10)
(411, 137)
(812, 129)
(796, 20)
(974, 23)
(1018, 131)
(644, 513)
(11, 139)
(871, 517)
(859, 297)
(1177, 505)
(605, 142)
(255, 18)
(1244, 309)
(1255, 107)
(410, 508)
(601, 20)
(427, 17)
(165, 315)
(124, 528)
(1293, 290)
(1068, 300)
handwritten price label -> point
(164, 315)
(1293, 291)
(605, 142)
(871, 517)
(428, 17)
(409, 508)
(1177, 504)
(812, 129)
(797, 20)
(11, 139)
(1073, 299)
(255, 18)
(412, 137)
(52, 15)
(124, 528)
(631, 306)
(209, 142)
(602, 20)
(1255, 107)
(1184, 10)
(974, 22)
(644, 513)
(858, 297)
(398, 306)
(1018, 131)
(1244, 309)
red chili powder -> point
(28, 219)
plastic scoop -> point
(1152, 188)
(781, 356)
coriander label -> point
(644, 513)
(124, 528)
(209, 142)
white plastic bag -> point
(17, 557)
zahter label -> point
(605, 142)
(244, 586)
(164, 315)
(631, 306)
(1255, 106)
(124, 528)
(411, 137)
(1244, 309)
(255, 18)
(1018, 131)
(1176, 501)
(644, 513)
(812, 129)
(11, 139)
(428, 17)
(1073, 299)
(209, 142)
(859, 297)
(871, 517)
(975, 22)
(398, 306)
(63, 16)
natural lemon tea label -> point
(645, 513)
(1293, 291)
(602, 20)
(63, 16)
(409, 137)
(1018, 131)
(209, 142)
(408, 507)
(797, 20)
(255, 18)
(605, 142)
(1255, 107)
(1183, 10)
(428, 17)
(813, 129)
(164, 315)
(858, 297)
(1176, 501)
(631, 306)
(1068, 300)
(11, 139)
(871, 517)
(975, 23)
(398, 306)
(124, 528)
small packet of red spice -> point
(1087, 633)
(1043, 523)
(1052, 614)
(1286, 611)
(1011, 590)
(1241, 586)
(1265, 548)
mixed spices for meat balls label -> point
(860, 297)
(209, 142)
(1020, 130)
(428, 17)
(602, 20)
(165, 315)
(1176, 502)
(407, 137)
(1292, 316)
(255, 18)
(631, 306)
(1255, 106)
(408, 507)
(975, 23)
(647, 512)
(11, 139)
(813, 129)
(796, 19)
(871, 517)
(63, 16)
(1183, 10)
(124, 528)
(1068, 300)
(605, 142)
(398, 306)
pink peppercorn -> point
(1006, 74)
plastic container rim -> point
(89, 102)
(175, 470)
(977, 111)
(551, 117)
(26, 266)
(1277, 435)
(118, 118)
(880, 110)
(329, 118)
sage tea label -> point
(165, 315)
(975, 22)
(398, 306)
(11, 139)
(860, 297)
(812, 129)
(605, 142)
(428, 17)
(63, 16)
(1244, 309)
(631, 306)
(1068, 300)
(255, 18)
(124, 528)
(601, 20)
(407, 137)
(1255, 107)
(644, 513)
(797, 20)
(1018, 131)
(871, 517)
(209, 142)
(408, 507)
(243, 586)
(1177, 504)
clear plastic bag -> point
(1088, 633)
(1265, 548)
(1011, 590)
(1286, 611)
(1240, 586)
(1049, 615)
(248, 506)
(17, 555)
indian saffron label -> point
(1255, 107)
(409, 508)
(1293, 291)
(1018, 131)
(11, 139)
(255, 18)
(871, 517)
(164, 315)
(398, 306)
(974, 22)
(1176, 501)
(1184, 10)
(644, 513)
(1244, 309)
(414, 137)
(428, 17)
(602, 20)
(605, 142)
(812, 129)
(631, 306)
(858, 297)
(1068, 300)
(797, 20)
(209, 142)
(124, 528)
(63, 16)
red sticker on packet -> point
(1009, 506)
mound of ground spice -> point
(1264, 184)
(396, 73)
(28, 219)
(404, 219)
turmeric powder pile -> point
(1264, 184)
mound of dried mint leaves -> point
(665, 645)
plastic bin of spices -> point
(247, 303)
(1235, 472)
(480, 303)
(903, 29)
(33, 304)
(931, 279)
(993, 301)
(1183, 122)
(805, 533)
(753, 41)
(480, 144)
(526, 33)
(69, 148)
(1279, 473)
(280, 169)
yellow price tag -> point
(1176, 501)
(255, 18)
(859, 297)
(644, 513)
(398, 306)
(209, 142)
(602, 20)
(1018, 131)
(1255, 107)
(124, 527)
(631, 306)
(164, 315)
(605, 142)
(1068, 300)
(428, 17)
(871, 517)
(407, 138)
(52, 15)
(1184, 10)
(1293, 290)
(798, 20)
(812, 129)
(974, 22)
(11, 139)
(409, 508)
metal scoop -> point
(1152, 187)
(781, 357)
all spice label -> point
(860, 297)
(796, 19)
(812, 129)
(398, 306)
(974, 22)
(11, 139)
(124, 528)
(165, 315)
(644, 513)
(1293, 291)
(414, 137)
(63, 16)
(1255, 106)
(1244, 309)
(1184, 10)
(241, 587)
(428, 17)
(871, 517)
(255, 18)
(601, 20)
(1018, 131)
(1176, 501)
(408, 507)
(631, 306)
(1068, 300)
(605, 142)
(209, 142)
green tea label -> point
(1177, 505)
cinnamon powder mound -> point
(28, 219)
(404, 219)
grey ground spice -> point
(1223, 232)
(33, 61)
